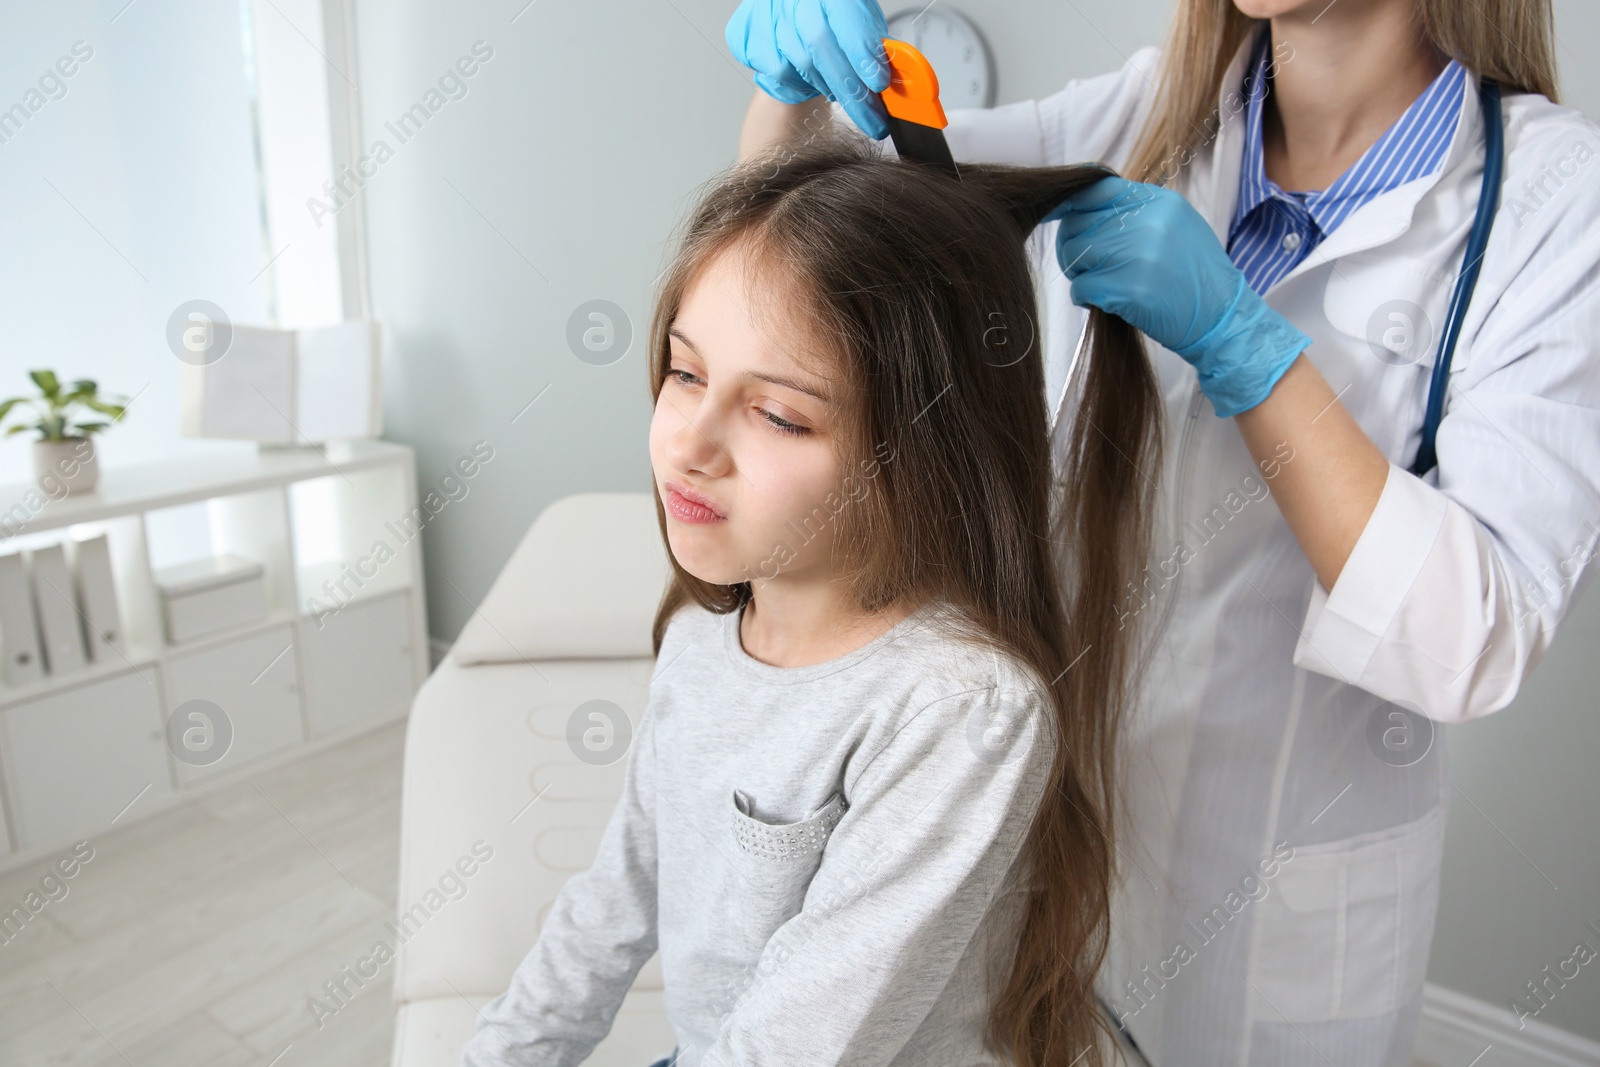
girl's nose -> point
(698, 442)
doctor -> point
(1319, 595)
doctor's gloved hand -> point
(1143, 253)
(805, 48)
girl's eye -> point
(683, 377)
(783, 426)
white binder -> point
(97, 596)
(19, 630)
(58, 613)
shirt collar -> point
(1413, 147)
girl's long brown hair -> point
(923, 285)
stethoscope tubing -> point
(1467, 280)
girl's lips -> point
(690, 508)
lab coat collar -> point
(1253, 181)
(1213, 183)
(1383, 218)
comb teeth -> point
(925, 144)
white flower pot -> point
(69, 462)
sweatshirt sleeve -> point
(935, 821)
(600, 930)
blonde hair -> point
(1511, 41)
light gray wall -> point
(557, 180)
(1522, 842)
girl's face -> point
(742, 442)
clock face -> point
(956, 49)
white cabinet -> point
(342, 648)
(75, 760)
(358, 663)
(246, 690)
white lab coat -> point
(1279, 879)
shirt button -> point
(1291, 241)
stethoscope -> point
(1466, 281)
(1477, 240)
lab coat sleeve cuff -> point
(1344, 626)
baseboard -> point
(1460, 1031)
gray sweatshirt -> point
(825, 857)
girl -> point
(866, 815)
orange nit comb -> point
(913, 92)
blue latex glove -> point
(1143, 253)
(805, 48)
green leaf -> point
(91, 427)
(84, 386)
(114, 410)
(19, 428)
(46, 381)
(7, 405)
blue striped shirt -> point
(1274, 230)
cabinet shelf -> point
(146, 486)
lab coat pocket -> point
(1393, 307)
(1346, 932)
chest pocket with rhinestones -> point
(795, 842)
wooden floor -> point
(200, 935)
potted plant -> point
(64, 449)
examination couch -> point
(498, 807)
